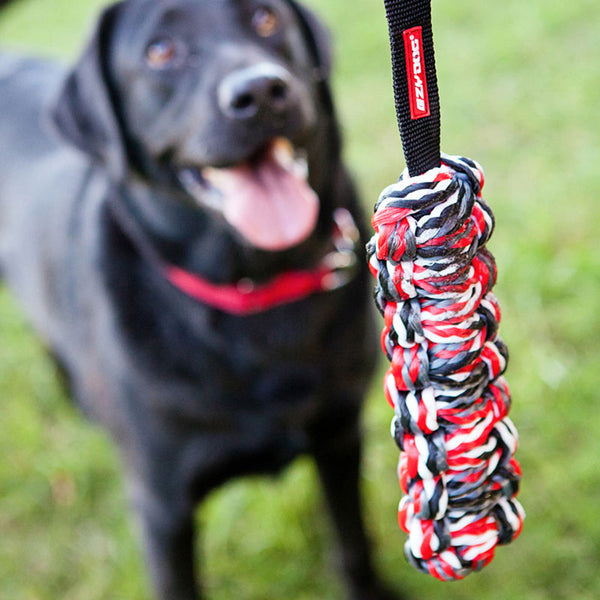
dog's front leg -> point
(337, 451)
(167, 532)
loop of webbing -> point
(415, 82)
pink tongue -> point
(271, 207)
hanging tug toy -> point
(434, 280)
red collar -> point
(246, 297)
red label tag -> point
(415, 73)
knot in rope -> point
(445, 384)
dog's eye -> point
(161, 53)
(265, 21)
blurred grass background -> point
(520, 93)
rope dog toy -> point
(434, 279)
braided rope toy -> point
(445, 381)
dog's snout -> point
(261, 88)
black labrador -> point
(190, 249)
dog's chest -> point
(276, 363)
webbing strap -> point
(415, 82)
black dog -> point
(188, 252)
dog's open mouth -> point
(267, 198)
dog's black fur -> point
(192, 395)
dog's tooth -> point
(290, 158)
(284, 145)
(196, 185)
(301, 167)
(214, 175)
(283, 153)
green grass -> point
(520, 93)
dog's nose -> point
(260, 88)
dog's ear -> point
(84, 112)
(317, 36)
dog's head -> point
(226, 99)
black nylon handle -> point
(415, 82)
